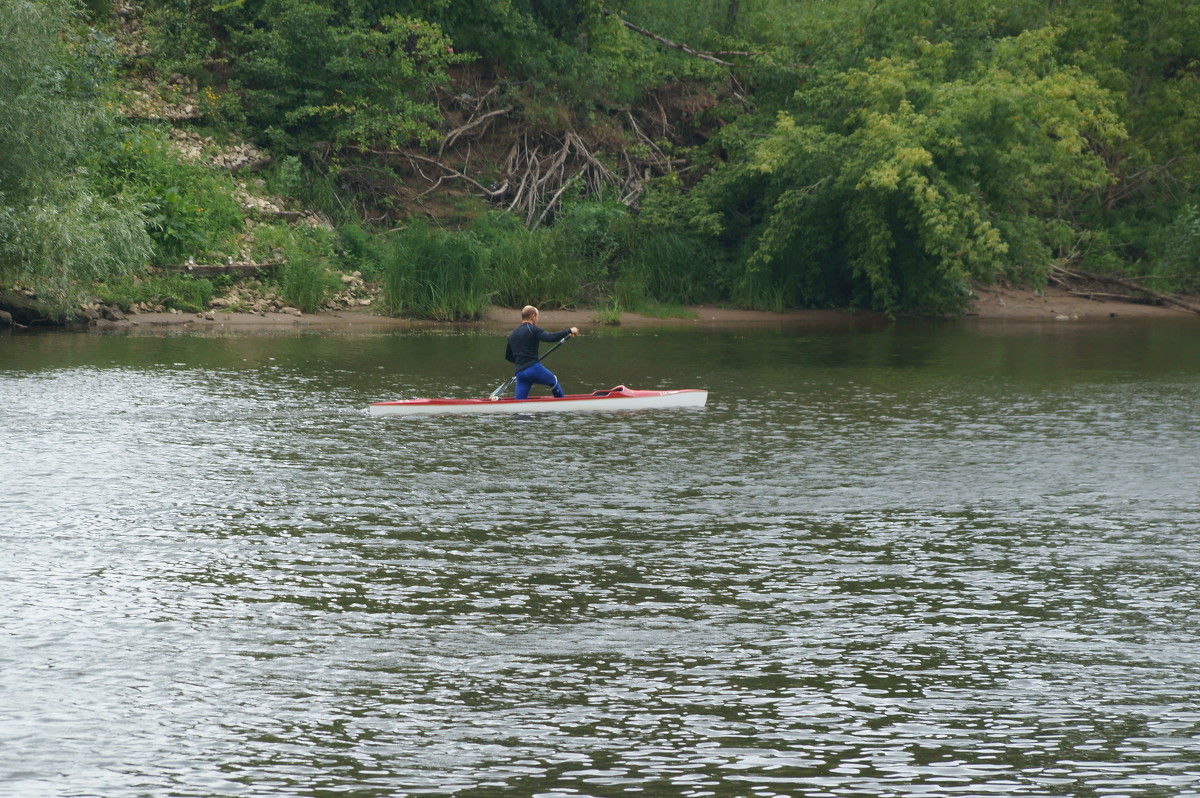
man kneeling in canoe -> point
(522, 352)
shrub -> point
(189, 209)
(170, 290)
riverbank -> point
(992, 302)
(496, 317)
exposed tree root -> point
(539, 170)
(489, 151)
(473, 122)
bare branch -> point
(447, 169)
(453, 135)
(554, 200)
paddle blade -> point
(504, 387)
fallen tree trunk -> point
(1128, 284)
(215, 269)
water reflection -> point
(897, 562)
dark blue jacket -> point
(522, 348)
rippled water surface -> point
(884, 561)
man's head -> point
(529, 313)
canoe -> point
(618, 398)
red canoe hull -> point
(618, 398)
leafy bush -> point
(310, 72)
(595, 232)
(189, 209)
(895, 185)
(360, 250)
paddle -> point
(504, 386)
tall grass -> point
(433, 274)
(306, 278)
(527, 267)
(594, 255)
(665, 267)
(756, 289)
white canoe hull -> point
(619, 398)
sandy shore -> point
(996, 302)
(993, 302)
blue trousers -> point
(539, 375)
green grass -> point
(525, 267)
(172, 290)
(306, 277)
(608, 311)
(667, 268)
(433, 274)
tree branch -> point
(667, 42)
(440, 165)
(454, 134)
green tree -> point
(309, 76)
(311, 72)
(56, 233)
(1147, 52)
(894, 185)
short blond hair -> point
(528, 312)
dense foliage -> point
(885, 154)
(903, 150)
(309, 72)
(898, 184)
(56, 231)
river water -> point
(886, 560)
